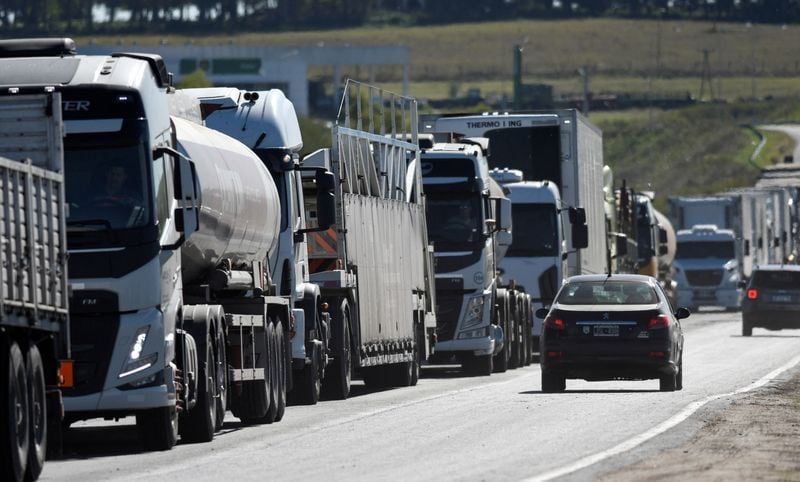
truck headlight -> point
(474, 314)
(135, 361)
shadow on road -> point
(771, 335)
(568, 391)
(88, 442)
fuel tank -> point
(672, 245)
(240, 210)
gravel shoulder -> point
(755, 437)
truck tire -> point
(14, 412)
(200, 423)
(221, 368)
(337, 379)
(158, 428)
(514, 358)
(501, 359)
(553, 383)
(408, 372)
(272, 411)
(283, 368)
(482, 365)
(37, 404)
(253, 402)
(308, 384)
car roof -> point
(614, 277)
(777, 267)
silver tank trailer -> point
(240, 209)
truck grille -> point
(93, 339)
(704, 277)
(448, 309)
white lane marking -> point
(658, 429)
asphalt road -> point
(450, 427)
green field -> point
(699, 149)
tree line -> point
(222, 16)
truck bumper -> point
(116, 400)
(728, 298)
(487, 345)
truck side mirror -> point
(580, 236)
(622, 244)
(326, 200)
(577, 215)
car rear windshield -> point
(607, 293)
(776, 280)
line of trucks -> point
(720, 238)
(167, 255)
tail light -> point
(660, 321)
(554, 323)
(752, 294)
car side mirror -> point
(542, 313)
(682, 313)
(742, 284)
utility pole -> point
(584, 72)
(706, 75)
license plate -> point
(606, 330)
(782, 298)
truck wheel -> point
(552, 383)
(200, 423)
(482, 365)
(337, 380)
(280, 343)
(274, 383)
(408, 372)
(158, 428)
(221, 368)
(37, 413)
(308, 383)
(14, 411)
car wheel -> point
(679, 377)
(552, 383)
(747, 329)
(668, 383)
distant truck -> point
(34, 318)
(483, 323)
(537, 257)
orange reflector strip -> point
(65, 374)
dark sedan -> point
(617, 327)
(772, 298)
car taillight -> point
(554, 323)
(752, 294)
(660, 321)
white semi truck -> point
(482, 322)
(537, 256)
(34, 325)
(565, 149)
(170, 229)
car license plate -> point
(606, 330)
(782, 298)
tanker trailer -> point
(170, 309)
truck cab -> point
(462, 223)
(537, 257)
(706, 267)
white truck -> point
(482, 323)
(537, 256)
(374, 265)
(561, 147)
(34, 321)
(717, 244)
(266, 122)
(170, 226)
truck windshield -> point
(535, 230)
(454, 223)
(706, 249)
(106, 188)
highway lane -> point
(448, 427)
